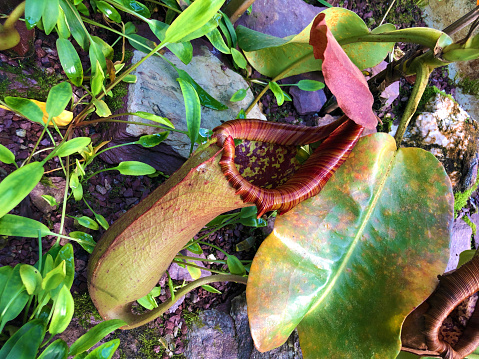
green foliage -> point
(469, 86)
(461, 198)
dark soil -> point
(40, 69)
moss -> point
(468, 86)
(470, 224)
(84, 310)
(148, 341)
(429, 93)
(461, 198)
(116, 101)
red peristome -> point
(308, 181)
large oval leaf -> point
(58, 98)
(272, 56)
(18, 184)
(62, 312)
(348, 265)
(70, 61)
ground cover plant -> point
(361, 213)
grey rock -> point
(460, 241)
(180, 273)
(57, 191)
(20, 132)
(279, 18)
(449, 133)
(306, 102)
(212, 337)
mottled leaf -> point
(348, 265)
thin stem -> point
(215, 247)
(14, 16)
(199, 267)
(179, 256)
(164, 5)
(65, 196)
(422, 76)
(387, 12)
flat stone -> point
(57, 191)
(460, 241)
(448, 132)
(157, 91)
(279, 18)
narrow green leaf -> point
(104, 351)
(62, 26)
(154, 118)
(241, 114)
(6, 156)
(148, 302)
(56, 350)
(210, 289)
(238, 58)
(51, 200)
(287, 97)
(193, 18)
(87, 222)
(25, 342)
(82, 9)
(62, 312)
(231, 29)
(253, 222)
(75, 25)
(70, 61)
(66, 254)
(182, 50)
(103, 222)
(278, 93)
(83, 239)
(171, 287)
(134, 168)
(152, 140)
(239, 95)
(18, 226)
(33, 12)
(217, 41)
(94, 335)
(136, 7)
(193, 110)
(73, 146)
(205, 98)
(105, 48)
(54, 277)
(310, 85)
(195, 248)
(31, 278)
(76, 187)
(205, 29)
(47, 264)
(13, 298)
(50, 15)
(109, 11)
(18, 184)
(130, 79)
(26, 108)
(235, 266)
(58, 98)
(195, 273)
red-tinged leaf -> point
(342, 77)
(347, 266)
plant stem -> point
(65, 196)
(387, 12)
(422, 76)
(14, 16)
(197, 266)
(215, 247)
(85, 123)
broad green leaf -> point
(104, 351)
(13, 298)
(76, 187)
(94, 335)
(217, 41)
(136, 7)
(58, 98)
(83, 239)
(26, 108)
(51, 12)
(278, 93)
(253, 222)
(31, 278)
(235, 266)
(109, 11)
(348, 265)
(56, 350)
(62, 27)
(25, 342)
(239, 95)
(193, 110)
(148, 302)
(6, 156)
(134, 168)
(101, 220)
(105, 49)
(70, 61)
(152, 140)
(87, 222)
(205, 29)
(33, 12)
(272, 56)
(54, 277)
(193, 18)
(195, 248)
(154, 118)
(310, 85)
(18, 184)
(210, 289)
(66, 254)
(18, 226)
(182, 50)
(73, 146)
(238, 58)
(195, 273)
(101, 108)
(205, 98)
(82, 9)
(50, 200)
(465, 256)
(48, 262)
(75, 24)
(130, 79)
(62, 311)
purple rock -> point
(306, 102)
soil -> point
(111, 194)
